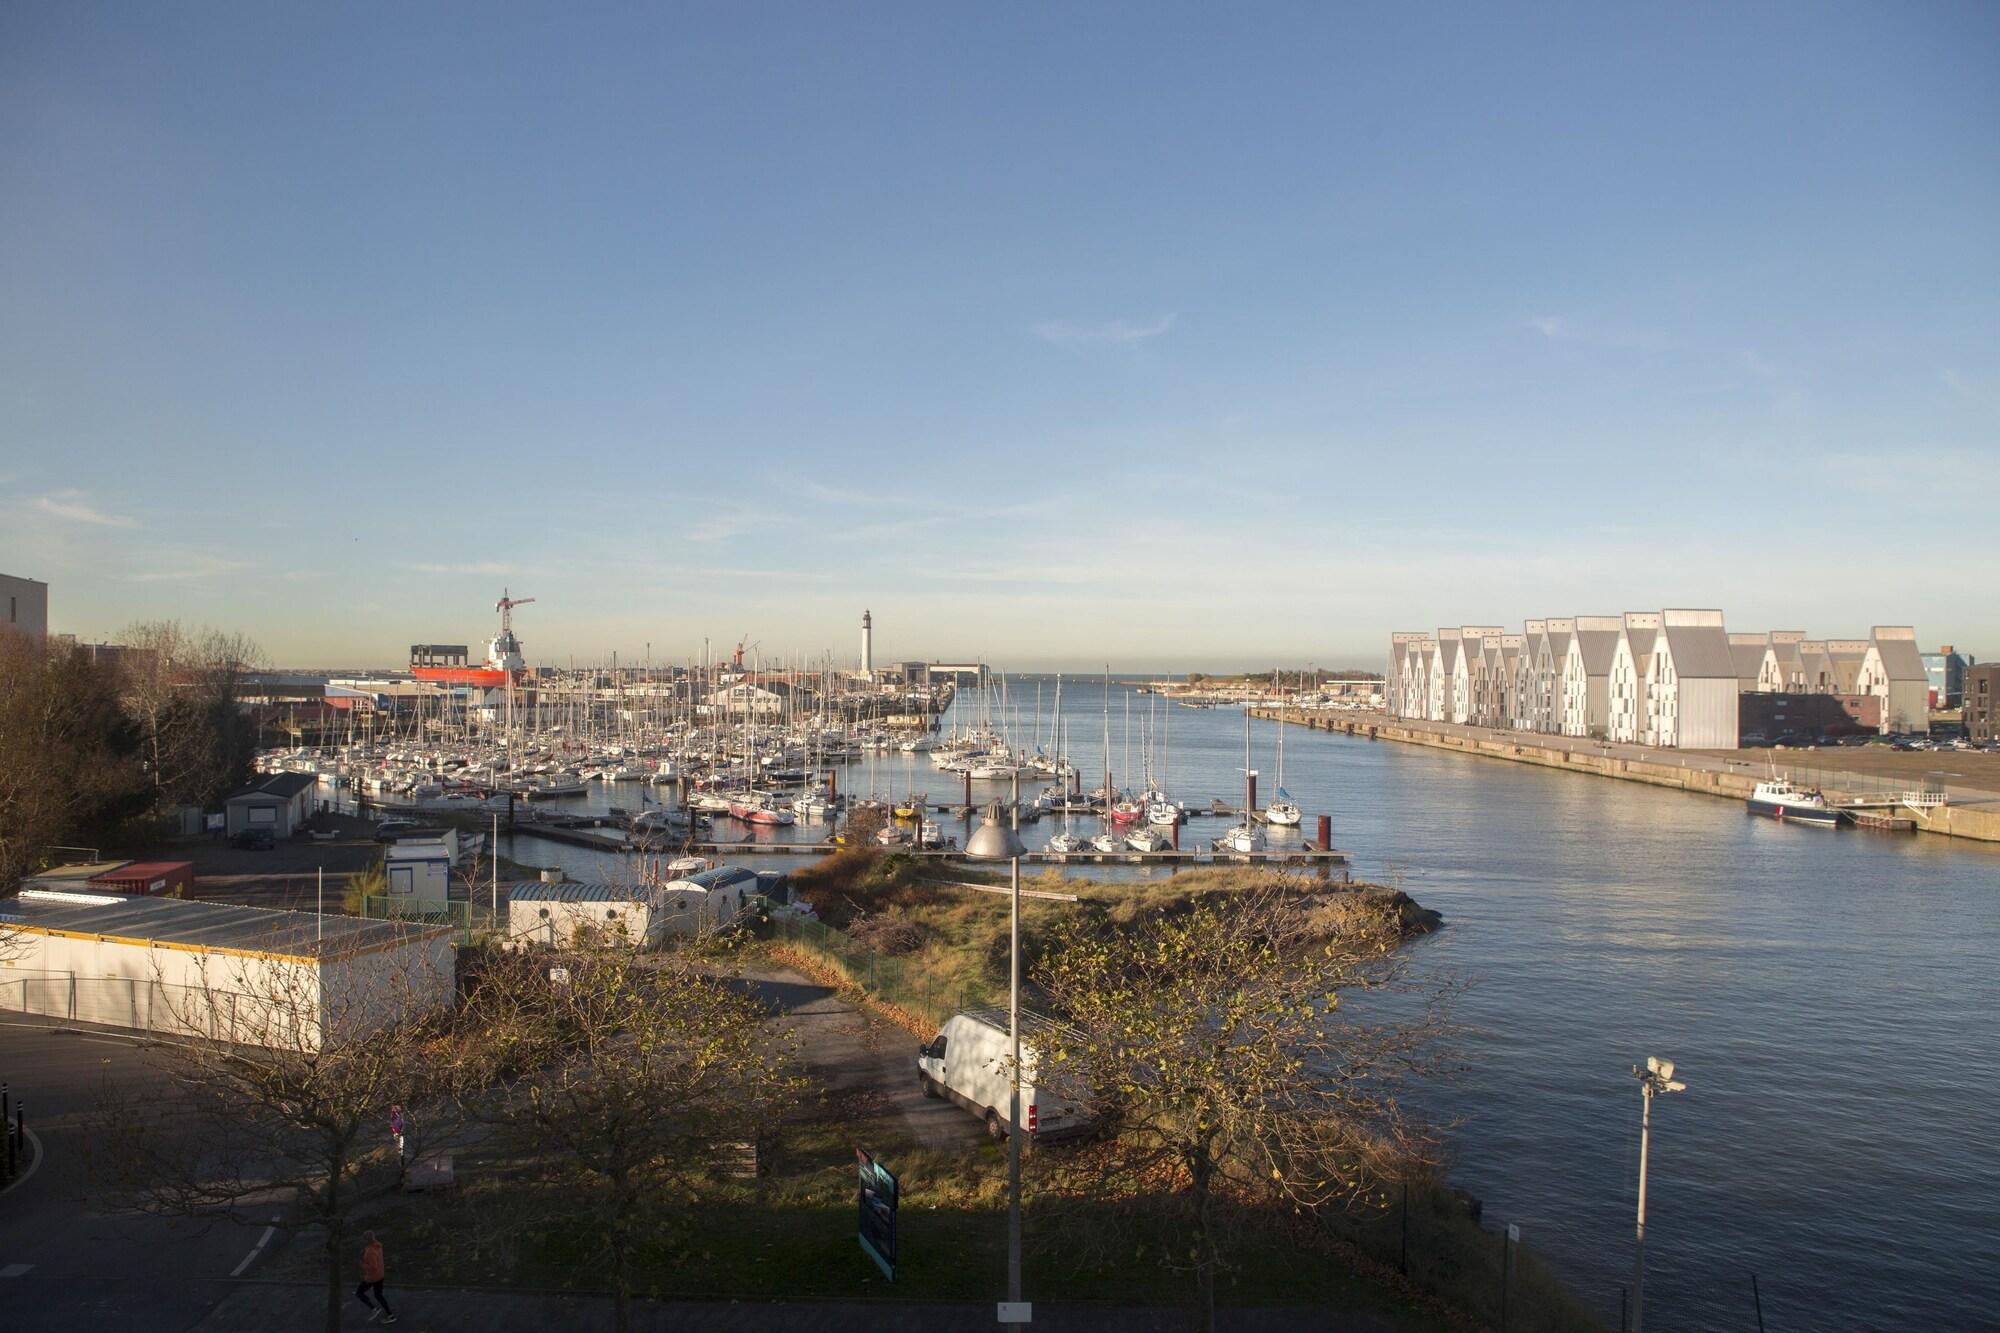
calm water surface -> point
(1828, 996)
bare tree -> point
(281, 1091)
(630, 1071)
(68, 756)
(1215, 1046)
(183, 688)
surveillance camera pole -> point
(1657, 1076)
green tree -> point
(1229, 1076)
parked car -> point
(254, 840)
(391, 829)
(968, 1062)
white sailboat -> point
(1247, 838)
(1283, 812)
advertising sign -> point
(878, 1212)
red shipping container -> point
(159, 879)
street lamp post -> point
(997, 841)
(1657, 1076)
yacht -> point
(1149, 840)
(1779, 799)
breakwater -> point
(1731, 779)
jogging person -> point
(371, 1280)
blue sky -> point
(1175, 336)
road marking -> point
(15, 1270)
(33, 1166)
(255, 1250)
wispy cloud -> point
(186, 568)
(1113, 333)
(1972, 393)
(460, 567)
(72, 507)
(717, 528)
(1584, 331)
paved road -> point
(867, 1065)
(67, 1264)
(262, 1307)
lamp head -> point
(993, 840)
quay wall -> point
(1980, 821)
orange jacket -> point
(371, 1262)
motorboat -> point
(1779, 799)
(1149, 839)
(1068, 844)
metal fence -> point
(457, 914)
(137, 1003)
(895, 981)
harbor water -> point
(1829, 997)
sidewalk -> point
(259, 1307)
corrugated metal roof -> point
(282, 785)
(215, 925)
(535, 891)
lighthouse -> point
(867, 644)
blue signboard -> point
(878, 1212)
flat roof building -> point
(24, 605)
(255, 975)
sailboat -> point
(1246, 838)
(1283, 812)
(1067, 842)
(1108, 841)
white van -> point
(967, 1062)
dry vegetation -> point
(919, 914)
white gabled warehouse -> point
(1628, 708)
(1893, 671)
(292, 980)
(1691, 683)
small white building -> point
(642, 915)
(418, 871)
(279, 802)
(290, 980)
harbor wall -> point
(1980, 822)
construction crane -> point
(505, 606)
(743, 645)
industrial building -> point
(1945, 669)
(1674, 678)
(24, 606)
(291, 980)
